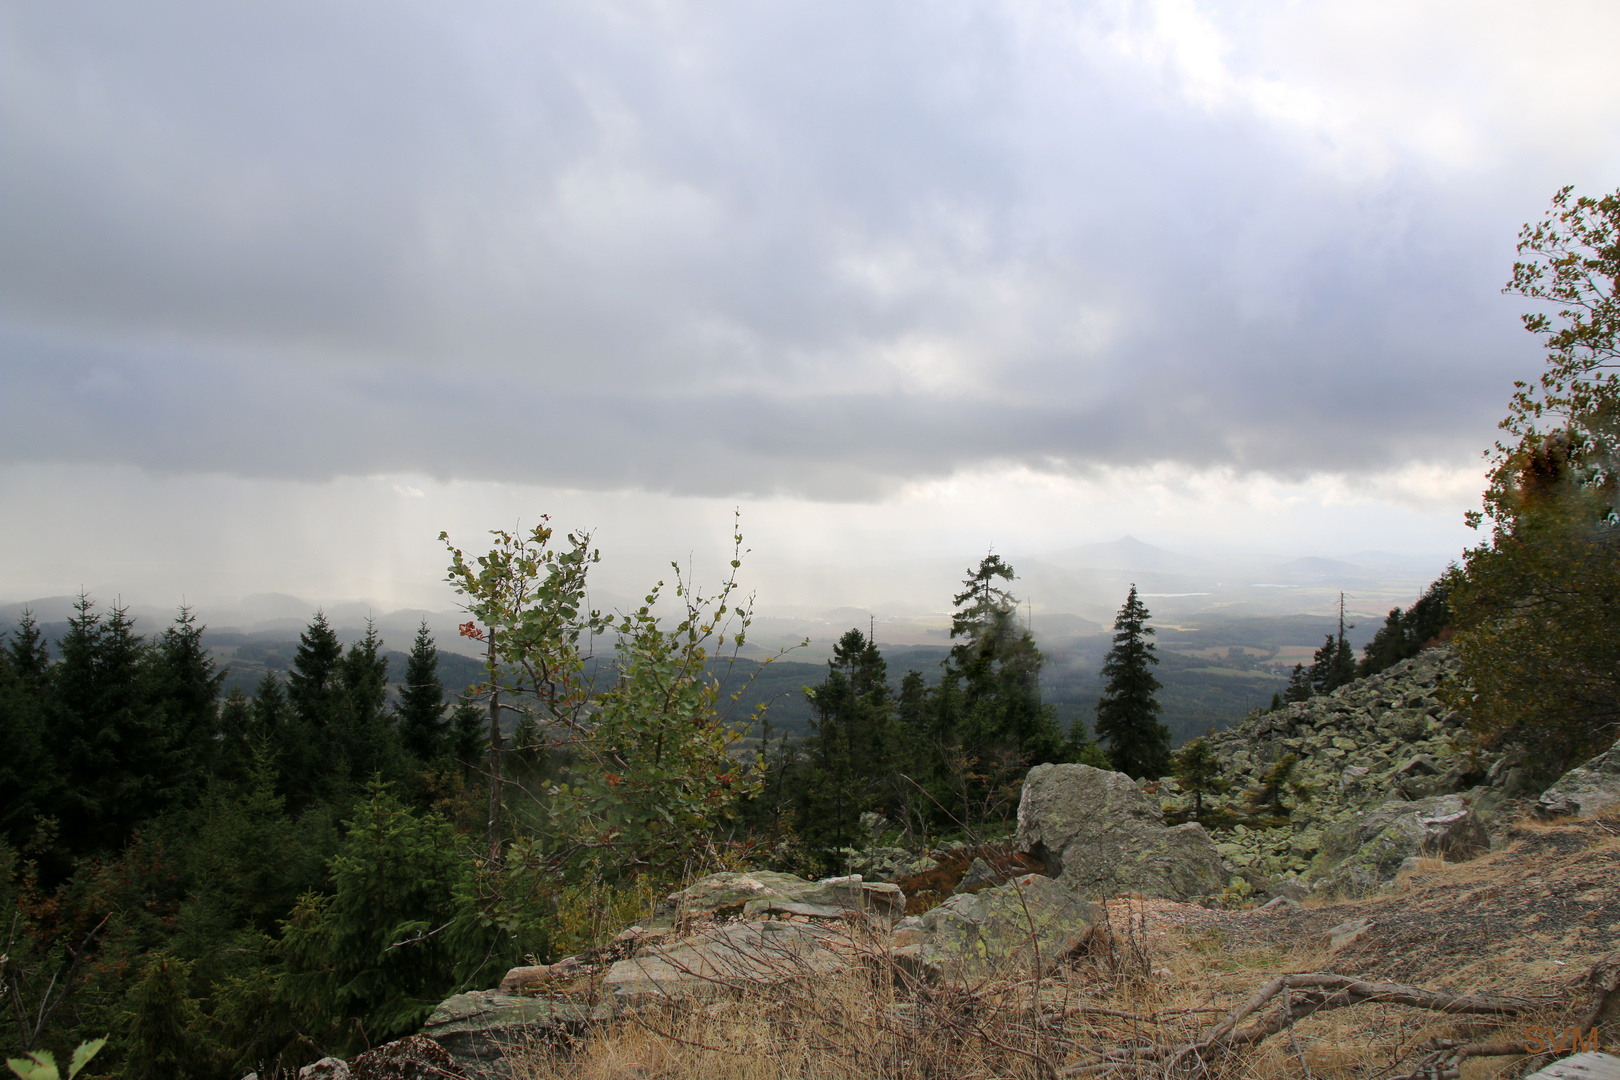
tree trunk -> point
(495, 741)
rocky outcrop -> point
(722, 932)
(1100, 835)
(1371, 848)
(1589, 790)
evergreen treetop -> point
(421, 702)
(1128, 711)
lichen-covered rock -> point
(726, 957)
(1010, 923)
(762, 892)
(1588, 790)
(328, 1068)
(1101, 835)
(1368, 851)
(478, 1028)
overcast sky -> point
(287, 288)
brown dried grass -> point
(871, 1021)
(1153, 975)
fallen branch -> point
(1322, 991)
(1445, 1057)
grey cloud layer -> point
(819, 250)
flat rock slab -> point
(759, 892)
(478, 1028)
(730, 957)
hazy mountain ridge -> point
(1228, 628)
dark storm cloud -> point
(820, 250)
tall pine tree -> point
(1004, 727)
(1128, 712)
(853, 746)
(421, 703)
(311, 752)
(367, 737)
(25, 774)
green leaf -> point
(82, 1056)
(37, 1066)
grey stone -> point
(1010, 923)
(1348, 933)
(1290, 888)
(478, 1028)
(884, 863)
(328, 1068)
(759, 892)
(725, 957)
(1101, 835)
(1376, 843)
(979, 874)
(1589, 790)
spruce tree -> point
(421, 702)
(311, 753)
(1004, 720)
(1299, 685)
(1128, 712)
(315, 683)
(275, 728)
(1198, 771)
(1405, 633)
(185, 682)
(119, 761)
(26, 775)
(850, 754)
(30, 661)
(990, 697)
(162, 1033)
(367, 734)
(236, 742)
(1334, 664)
(467, 736)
